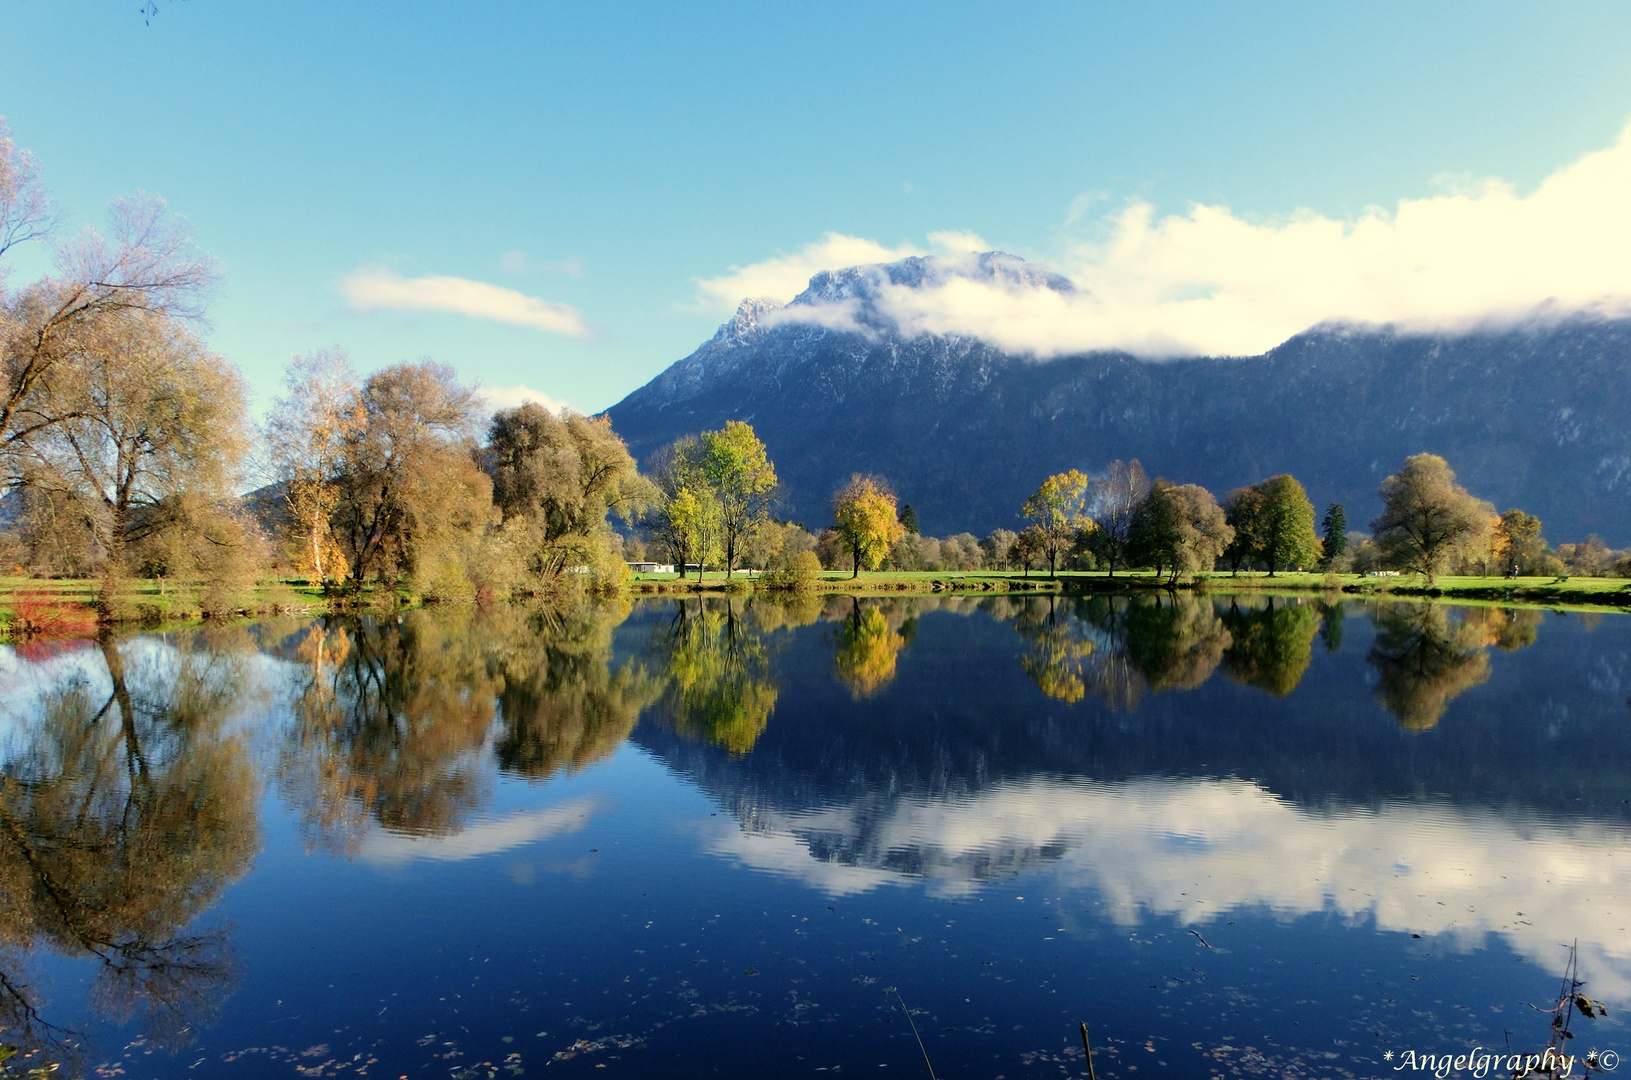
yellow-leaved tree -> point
(864, 512)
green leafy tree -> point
(1058, 510)
(1286, 524)
(1427, 518)
(743, 483)
(1243, 511)
(864, 513)
(562, 475)
(1334, 527)
(694, 517)
(908, 519)
(1179, 528)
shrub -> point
(798, 573)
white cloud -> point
(376, 290)
(512, 397)
(785, 276)
(1208, 281)
(1199, 850)
(958, 242)
(487, 838)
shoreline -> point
(64, 605)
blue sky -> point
(603, 159)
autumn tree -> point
(561, 476)
(1058, 511)
(1427, 518)
(743, 483)
(413, 503)
(1111, 501)
(305, 436)
(1179, 528)
(150, 271)
(146, 447)
(1286, 524)
(864, 513)
(1027, 548)
(1518, 543)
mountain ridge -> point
(1537, 416)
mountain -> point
(1537, 416)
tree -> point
(693, 519)
(1058, 510)
(1334, 540)
(864, 512)
(1180, 528)
(1427, 517)
(996, 547)
(305, 437)
(1027, 548)
(908, 519)
(562, 475)
(1518, 543)
(743, 482)
(1286, 524)
(1111, 501)
(147, 421)
(1270, 647)
(1243, 511)
(413, 503)
(151, 270)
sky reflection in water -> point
(1231, 834)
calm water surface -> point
(1237, 837)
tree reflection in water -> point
(869, 644)
(122, 817)
(390, 720)
(1271, 646)
(1121, 648)
(717, 667)
(1426, 655)
(563, 705)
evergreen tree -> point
(908, 519)
(1335, 528)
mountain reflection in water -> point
(1419, 768)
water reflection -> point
(389, 720)
(869, 644)
(717, 666)
(125, 809)
(565, 704)
(850, 745)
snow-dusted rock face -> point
(1537, 417)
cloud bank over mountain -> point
(1211, 282)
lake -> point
(1235, 836)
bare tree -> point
(1112, 500)
(25, 208)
